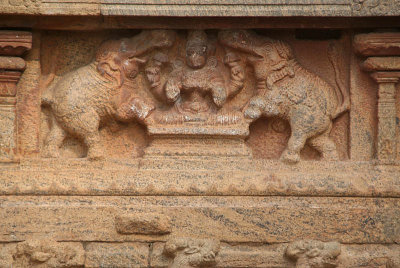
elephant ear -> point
(108, 61)
(296, 95)
(111, 70)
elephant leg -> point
(54, 140)
(325, 145)
(254, 108)
(296, 142)
(304, 124)
(86, 126)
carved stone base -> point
(198, 146)
(198, 139)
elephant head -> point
(266, 54)
(120, 59)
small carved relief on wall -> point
(374, 7)
(191, 252)
(194, 84)
(48, 253)
(314, 254)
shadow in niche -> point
(268, 139)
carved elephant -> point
(85, 98)
(286, 89)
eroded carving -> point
(190, 252)
(84, 99)
(286, 89)
(48, 253)
(314, 254)
(143, 223)
(190, 83)
(374, 7)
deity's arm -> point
(153, 75)
(217, 88)
(236, 80)
(174, 85)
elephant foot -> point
(290, 157)
(50, 153)
(95, 154)
(331, 156)
(252, 113)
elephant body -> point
(80, 102)
(89, 96)
(286, 89)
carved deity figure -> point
(286, 89)
(190, 84)
(85, 98)
(192, 253)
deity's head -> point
(196, 49)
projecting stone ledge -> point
(378, 44)
(204, 177)
(182, 8)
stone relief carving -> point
(48, 253)
(314, 254)
(143, 223)
(192, 95)
(191, 252)
(286, 89)
(191, 82)
(374, 7)
(89, 96)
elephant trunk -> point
(147, 41)
(243, 40)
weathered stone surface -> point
(370, 256)
(339, 8)
(143, 223)
(191, 252)
(233, 219)
(381, 64)
(117, 255)
(203, 177)
(273, 256)
(15, 43)
(13, 63)
(6, 254)
(46, 253)
(378, 44)
(313, 253)
(12, 44)
(164, 145)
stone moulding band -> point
(153, 176)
